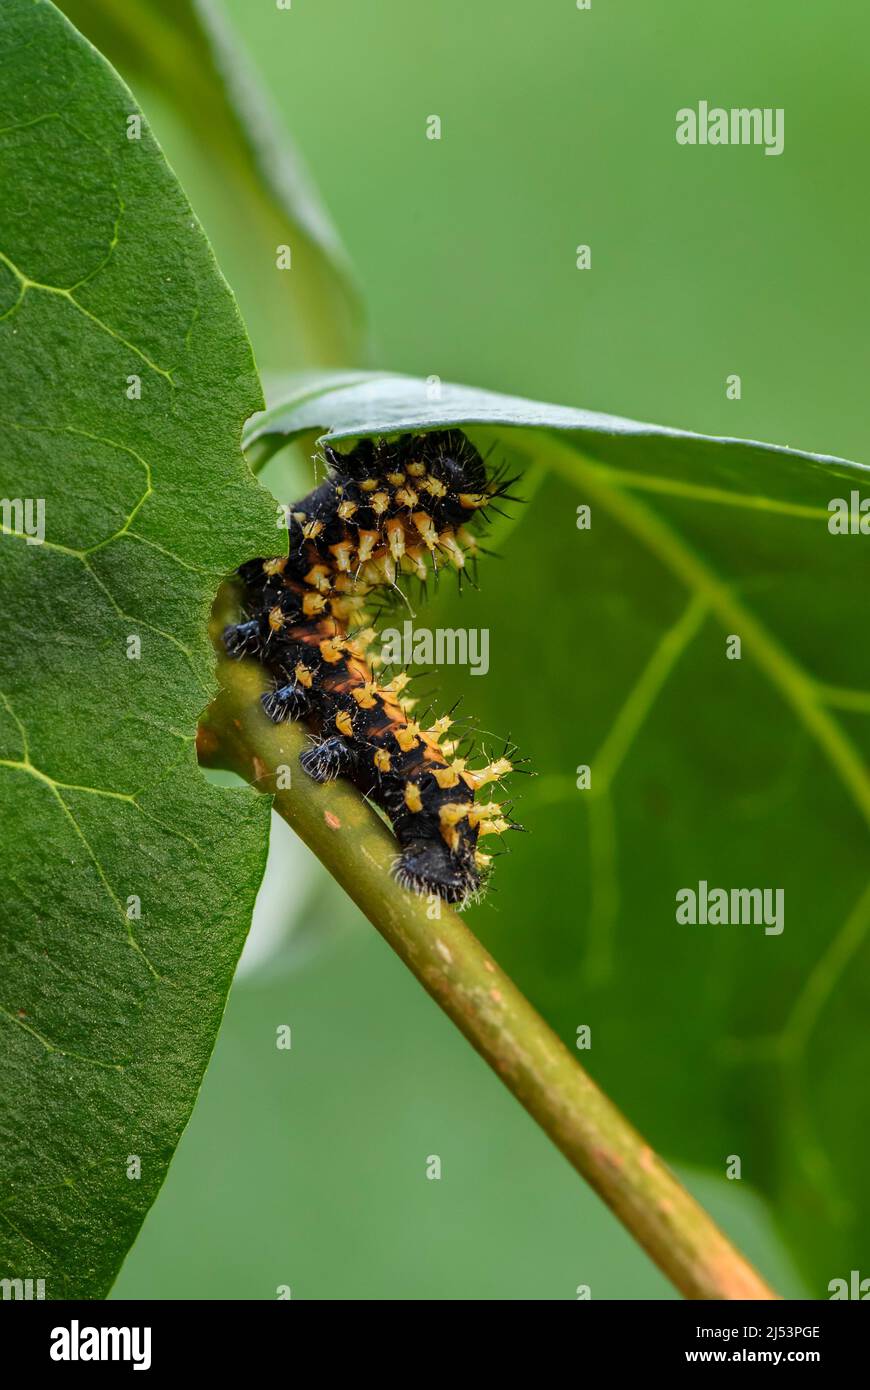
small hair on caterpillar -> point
(388, 509)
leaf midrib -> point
(795, 684)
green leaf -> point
(248, 183)
(107, 1018)
(608, 648)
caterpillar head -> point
(428, 866)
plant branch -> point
(357, 848)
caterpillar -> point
(387, 508)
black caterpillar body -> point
(386, 509)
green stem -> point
(357, 848)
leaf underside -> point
(608, 649)
(107, 1018)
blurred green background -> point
(307, 1167)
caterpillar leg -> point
(327, 759)
(242, 639)
(428, 866)
(286, 702)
